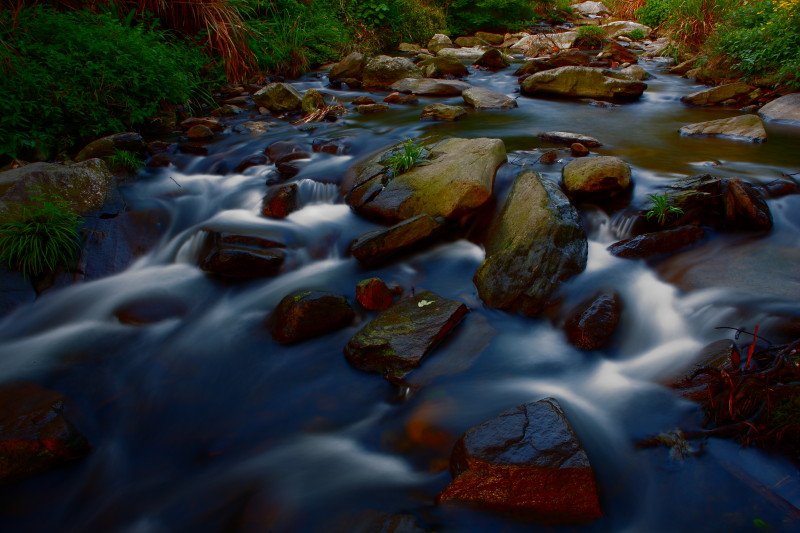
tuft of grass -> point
(661, 209)
(410, 155)
(124, 160)
(591, 35)
(39, 235)
(636, 34)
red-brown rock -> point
(306, 314)
(379, 246)
(280, 201)
(284, 151)
(550, 157)
(363, 100)
(592, 323)
(241, 256)
(658, 243)
(527, 461)
(252, 161)
(374, 294)
(578, 150)
(34, 434)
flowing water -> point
(201, 422)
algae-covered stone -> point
(581, 82)
(596, 177)
(493, 59)
(535, 244)
(395, 342)
(495, 39)
(442, 112)
(312, 101)
(350, 67)
(456, 179)
(278, 98)
(443, 67)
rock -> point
(241, 256)
(526, 460)
(469, 42)
(535, 244)
(381, 72)
(395, 342)
(368, 109)
(227, 110)
(592, 323)
(351, 67)
(34, 434)
(569, 58)
(462, 54)
(200, 133)
(151, 310)
(430, 86)
(373, 294)
(717, 95)
(481, 98)
(306, 314)
(740, 128)
(535, 45)
(379, 246)
(581, 82)
(283, 151)
(280, 201)
(493, 59)
(338, 146)
(624, 27)
(533, 66)
(409, 48)
(616, 52)
(84, 185)
(596, 177)
(550, 157)
(591, 8)
(397, 98)
(442, 112)
(784, 109)
(457, 180)
(312, 101)
(438, 42)
(251, 161)
(635, 73)
(278, 98)
(252, 127)
(362, 100)
(192, 147)
(105, 147)
(578, 150)
(566, 137)
(659, 243)
(238, 101)
(211, 123)
(443, 67)
(493, 39)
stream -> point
(201, 422)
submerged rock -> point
(596, 177)
(442, 112)
(374, 294)
(744, 127)
(658, 243)
(783, 109)
(457, 180)
(536, 243)
(280, 201)
(380, 72)
(593, 322)
(527, 460)
(380, 246)
(430, 86)
(306, 314)
(34, 434)
(717, 95)
(278, 98)
(241, 256)
(581, 82)
(481, 98)
(395, 342)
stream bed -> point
(202, 422)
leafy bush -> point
(38, 236)
(689, 22)
(77, 75)
(469, 16)
(655, 12)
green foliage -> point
(655, 12)
(410, 155)
(636, 34)
(591, 35)
(469, 16)
(38, 236)
(689, 22)
(124, 160)
(77, 75)
(661, 210)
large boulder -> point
(438, 42)
(312, 101)
(443, 67)
(462, 54)
(717, 95)
(380, 72)
(395, 342)
(457, 179)
(616, 52)
(536, 243)
(581, 82)
(533, 66)
(494, 39)
(278, 98)
(591, 8)
(624, 27)
(596, 177)
(535, 45)
(34, 434)
(481, 98)
(740, 128)
(492, 59)
(241, 256)
(305, 314)
(430, 86)
(105, 147)
(84, 185)
(526, 460)
(442, 112)
(569, 58)
(380, 246)
(784, 109)
(351, 67)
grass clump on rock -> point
(410, 155)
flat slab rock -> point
(566, 137)
(241, 256)
(527, 460)
(379, 246)
(306, 314)
(741, 128)
(395, 342)
(430, 86)
(783, 109)
(34, 434)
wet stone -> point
(527, 461)
(241, 256)
(374, 294)
(252, 161)
(550, 157)
(368, 109)
(331, 146)
(34, 434)
(593, 322)
(363, 100)
(442, 112)
(211, 123)
(578, 150)
(283, 151)
(566, 137)
(200, 132)
(306, 314)
(658, 243)
(280, 201)
(380, 246)
(395, 342)
(192, 148)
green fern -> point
(661, 210)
